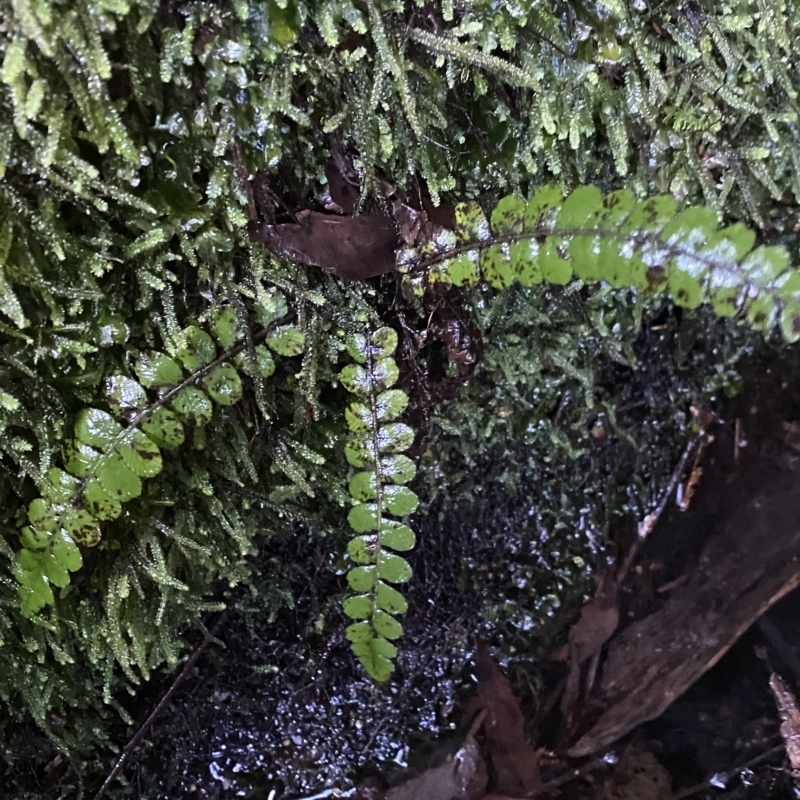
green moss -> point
(127, 133)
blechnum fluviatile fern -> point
(110, 453)
(375, 447)
(643, 244)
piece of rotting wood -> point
(742, 572)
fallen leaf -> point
(343, 186)
(353, 248)
(514, 761)
(596, 625)
(790, 723)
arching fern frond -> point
(644, 244)
(111, 452)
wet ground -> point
(278, 709)
(267, 718)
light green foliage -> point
(130, 131)
(110, 460)
(648, 245)
(375, 448)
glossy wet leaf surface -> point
(141, 456)
(126, 397)
(224, 386)
(117, 480)
(164, 428)
(199, 349)
(193, 406)
(96, 428)
(157, 371)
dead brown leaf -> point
(596, 625)
(353, 248)
(790, 722)
(514, 761)
(458, 777)
(343, 188)
(598, 621)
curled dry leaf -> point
(790, 722)
(596, 625)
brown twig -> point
(649, 523)
(699, 787)
(142, 732)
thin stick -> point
(142, 732)
(699, 787)
(650, 521)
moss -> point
(128, 131)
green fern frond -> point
(648, 245)
(110, 454)
(378, 491)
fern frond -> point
(376, 447)
(111, 453)
(648, 245)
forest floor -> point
(701, 614)
(656, 688)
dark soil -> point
(259, 721)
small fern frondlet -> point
(376, 447)
(111, 453)
(642, 244)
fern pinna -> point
(376, 448)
